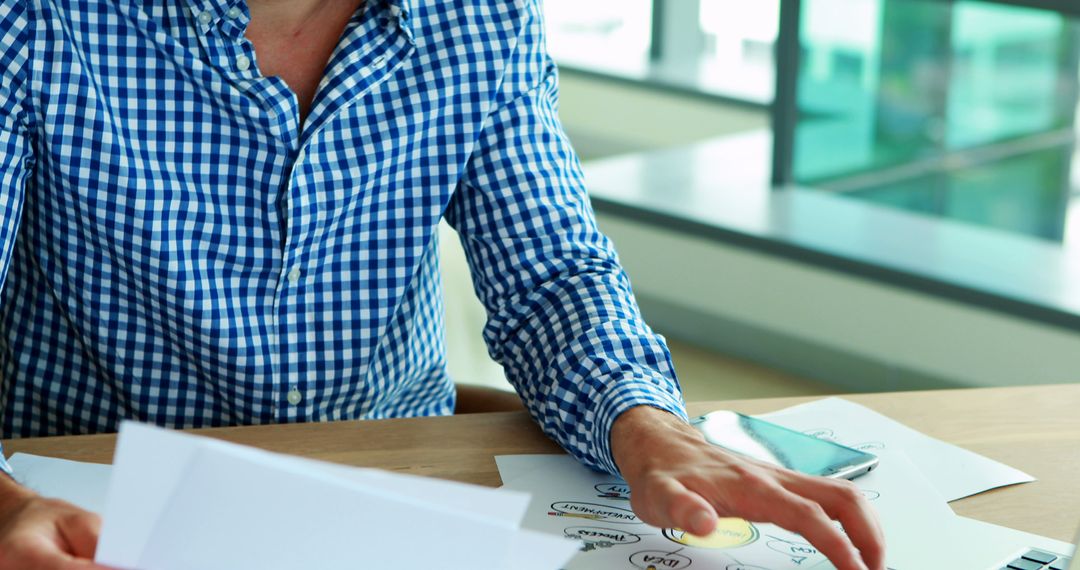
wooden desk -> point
(1036, 429)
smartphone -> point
(777, 445)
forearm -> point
(580, 362)
(565, 327)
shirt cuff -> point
(620, 397)
(5, 467)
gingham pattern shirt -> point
(177, 248)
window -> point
(963, 109)
(613, 36)
(739, 36)
(718, 47)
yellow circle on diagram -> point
(729, 533)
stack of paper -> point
(578, 503)
(955, 472)
(178, 502)
(921, 530)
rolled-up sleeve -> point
(562, 320)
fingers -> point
(843, 501)
(63, 563)
(809, 519)
(43, 556)
(670, 504)
(679, 480)
(802, 504)
(80, 532)
(46, 534)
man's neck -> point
(289, 17)
(294, 39)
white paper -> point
(571, 500)
(82, 484)
(239, 511)
(961, 543)
(460, 497)
(955, 472)
(178, 502)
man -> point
(222, 213)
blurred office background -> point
(818, 196)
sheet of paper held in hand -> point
(177, 502)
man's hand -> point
(44, 534)
(679, 480)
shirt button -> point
(243, 62)
(233, 13)
(205, 17)
(294, 275)
(294, 397)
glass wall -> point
(613, 36)
(964, 109)
(736, 58)
(719, 47)
(959, 109)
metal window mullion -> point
(785, 107)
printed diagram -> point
(593, 511)
(660, 560)
(599, 537)
(830, 435)
(798, 551)
(729, 533)
(614, 491)
(821, 433)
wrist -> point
(639, 432)
(12, 493)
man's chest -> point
(164, 148)
(181, 112)
(298, 50)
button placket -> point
(294, 397)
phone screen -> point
(780, 446)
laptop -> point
(1040, 559)
(999, 548)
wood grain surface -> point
(1036, 429)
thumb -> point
(80, 531)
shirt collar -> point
(399, 8)
(396, 11)
(217, 9)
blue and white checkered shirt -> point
(177, 248)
